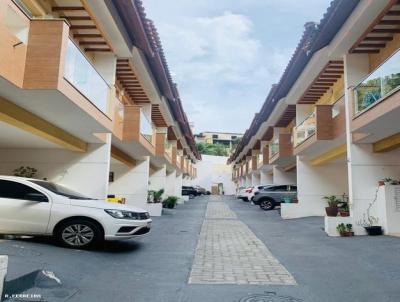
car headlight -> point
(120, 214)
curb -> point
(3, 272)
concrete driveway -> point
(297, 261)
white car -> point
(250, 193)
(37, 207)
(240, 192)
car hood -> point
(102, 204)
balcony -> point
(83, 76)
(168, 150)
(132, 133)
(376, 103)
(305, 129)
(323, 128)
(179, 162)
(280, 149)
(55, 76)
(146, 128)
(381, 83)
(14, 30)
(274, 147)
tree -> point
(212, 149)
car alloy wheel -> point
(77, 235)
(267, 205)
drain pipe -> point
(3, 272)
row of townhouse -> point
(332, 123)
(86, 99)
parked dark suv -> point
(189, 191)
(269, 197)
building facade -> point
(331, 123)
(223, 138)
(86, 98)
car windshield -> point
(60, 190)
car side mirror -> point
(36, 197)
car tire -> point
(267, 204)
(79, 234)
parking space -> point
(158, 266)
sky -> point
(224, 55)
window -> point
(15, 190)
(215, 136)
(278, 188)
(293, 188)
(233, 137)
(60, 190)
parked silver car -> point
(271, 196)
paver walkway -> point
(228, 252)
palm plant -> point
(155, 196)
(332, 200)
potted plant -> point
(344, 206)
(387, 181)
(345, 230)
(27, 172)
(170, 202)
(155, 196)
(332, 209)
(369, 222)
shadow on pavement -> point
(122, 246)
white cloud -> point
(219, 64)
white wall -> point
(255, 179)
(212, 170)
(131, 182)
(157, 180)
(315, 182)
(187, 181)
(367, 168)
(265, 178)
(178, 185)
(86, 172)
(284, 178)
(170, 184)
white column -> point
(365, 168)
(283, 178)
(248, 180)
(131, 182)
(266, 178)
(315, 182)
(255, 179)
(178, 186)
(157, 179)
(170, 187)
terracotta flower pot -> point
(381, 183)
(331, 211)
(344, 213)
(346, 234)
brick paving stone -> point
(228, 252)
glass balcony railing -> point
(146, 128)
(260, 160)
(85, 78)
(380, 83)
(304, 130)
(274, 147)
(168, 148)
